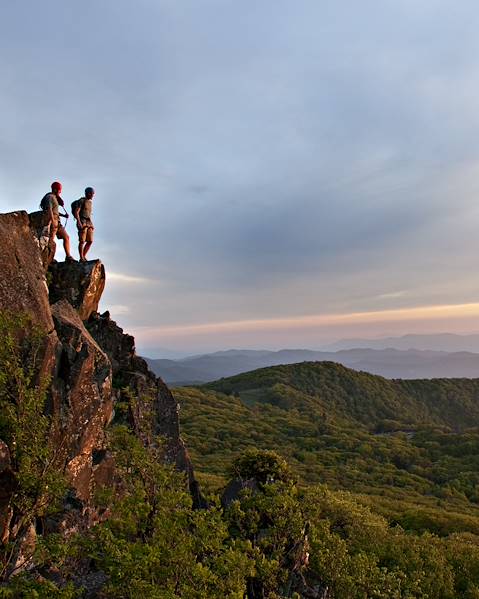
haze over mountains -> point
(408, 357)
(447, 342)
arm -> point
(76, 215)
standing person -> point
(82, 211)
(50, 205)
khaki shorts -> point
(85, 234)
(57, 230)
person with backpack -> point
(50, 205)
(82, 211)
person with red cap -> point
(50, 205)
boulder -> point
(235, 487)
(23, 287)
(80, 283)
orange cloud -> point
(422, 313)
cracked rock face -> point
(83, 352)
(80, 283)
(22, 282)
(23, 287)
(81, 395)
(156, 412)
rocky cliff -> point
(91, 365)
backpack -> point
(76, 205)
(45, 203)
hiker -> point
(50, 205)
(82, 210)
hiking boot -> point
(70, 259)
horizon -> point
(266, 175)
(158, 353)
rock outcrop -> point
(82, 394)
(155, 410)
(81, 284)
(83, 353)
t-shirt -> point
(86, 208)
(50, 200)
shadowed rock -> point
(235, 487)
(80, 283)
(82, 394)
(156, 410)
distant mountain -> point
(448, 342)
(390, 363)
(163, 353)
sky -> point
(268, 174)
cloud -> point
(117, 277)
(391, 295)
(253, 160)
(118, 310)
(318, 320)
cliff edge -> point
(91, 365)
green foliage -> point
(358, 555)
(267, 515)
(392, 443)
(262, 465)
(340, 395)
(408, 529)
(154, 544)
(37, 486)
(25, 587)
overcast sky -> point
(268, 173)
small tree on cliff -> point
(154, 544)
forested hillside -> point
(408, 448)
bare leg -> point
(88, 245)
(62, 234)
(52, 246)
(89, 241)
(80, 250)
(66, 245)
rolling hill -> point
(410, 448)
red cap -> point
(56, 186)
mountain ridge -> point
(449, 342)
(403, 447)
(391, 363)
